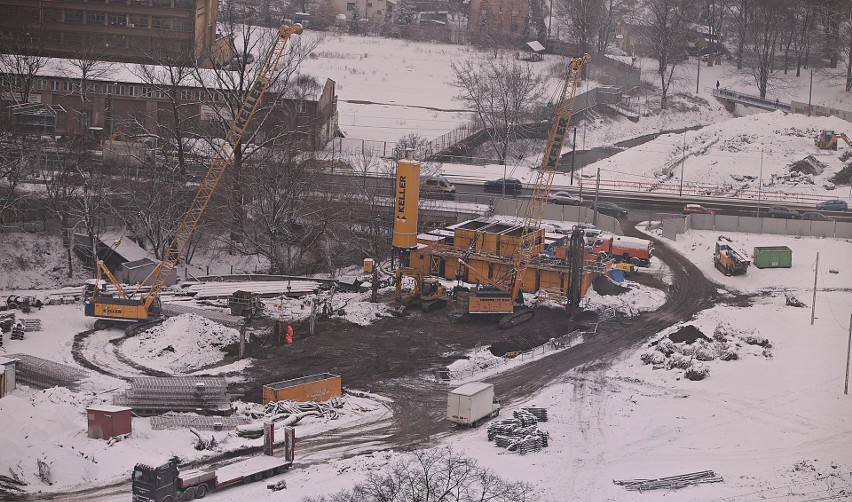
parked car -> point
(814, 216)
(565, 199)
(697, 209)
(608, 208)
(833, 205)
(512, 186)
(784, 212)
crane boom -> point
(221, 161)
(546, 172)
(137, 308)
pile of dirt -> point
(808, 165)
(688, 334)
(844, 177)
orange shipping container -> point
(319, 388)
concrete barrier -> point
(754, 225)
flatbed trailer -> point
(167, 484)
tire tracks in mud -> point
(419, 404)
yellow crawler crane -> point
(143, 304)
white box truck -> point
(472, 403)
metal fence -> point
(778, 226)
(748, 99)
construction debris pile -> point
(688, 349)
(671, 482)
(289, 413)
(520, 433)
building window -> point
(186, 95)
(52, 15)
(159, 94)
(161, 23)
(301, 107)
(95, 17)
(146, 92)
(199, 96)
(117, 20)
(73, 16)
(350, 7)
(369, 4)
(379, 12)
(185, 4)
(54, 85)
(162, 3)
(120, 90)
(132, 90)
(68, 86)
(138, 21)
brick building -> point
(137, 106)
(498, 17)
(113, 30)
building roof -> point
(534, 46)
(108, 408)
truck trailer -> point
(624, 249)
(472, 403)
(166, 483)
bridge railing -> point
(750, 99)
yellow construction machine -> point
(428, 290)
(729, 260)
(142, 304)
(827, 140)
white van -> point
(437, 185)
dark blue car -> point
(833, 205)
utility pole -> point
(573, 154)
(682, 162)
(810, 91)
(698, 78)
(813, 302)
(760, 182)
(848, 350)
(597, 192)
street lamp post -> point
(682, 162)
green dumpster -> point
(772, 257)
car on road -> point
(565, 199)
(833, 205)
(511, 185)
(814, 216)
(784, 212)
(697, 209)
(608, 208)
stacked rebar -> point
(539, 413)
(168, 421)
(520, 433)
(31, 324)
(43, 374)
(156, 395)
(671, 482)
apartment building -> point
(113, 30)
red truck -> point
(167, 484)
(627, 249)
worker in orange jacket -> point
(289, 338)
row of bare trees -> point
(768, 37)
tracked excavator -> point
(427, 290)
(137, 308)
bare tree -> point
(847, 51)
(226, 88)
(432, 476)
(172, 80)
(805, 13)
(741, 13)
(582, 20)
(667, 40)
(768, 22)
(501, 91)
(18, 72)
(87, 66)
(76, 194)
